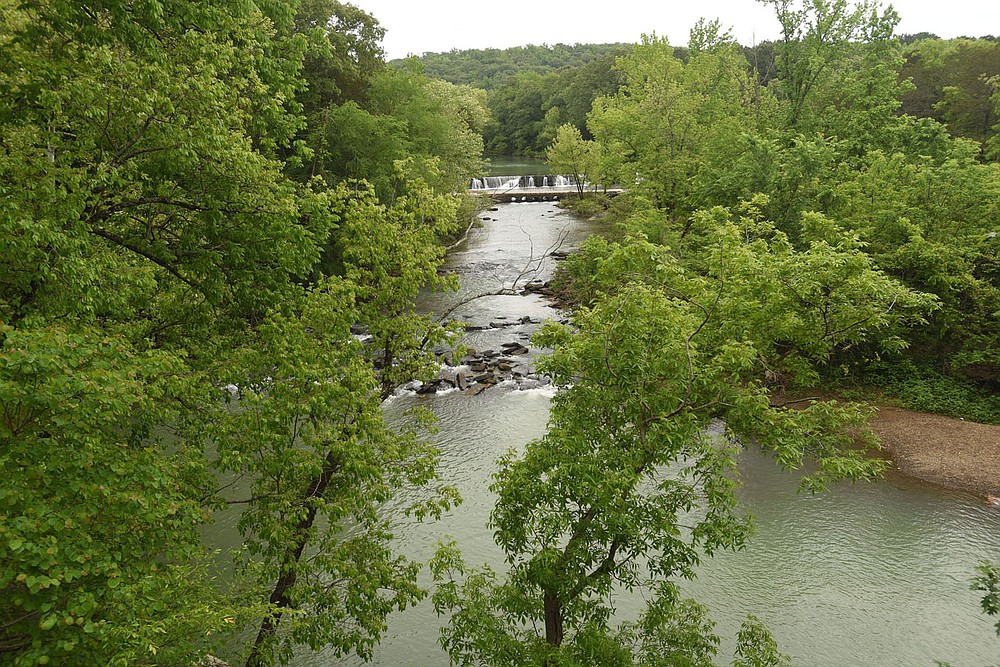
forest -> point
(216, 218)
(534, 90)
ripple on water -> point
(866, 575)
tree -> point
(669, 120)
(307, 431)
(835, 56)
(390, 253)
(345, 54)
(992, 150)
(627, 489)
(953, 85)
(518, 110)
(146, 227)
(406, 115)
(100, 558)
(571, 155)
(154, 251)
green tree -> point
(345, 53)
(835, 56)
(669, 119)
(146, 227)
(993, 140)
(406, 115)
(100, 558)
(154, 250)
(952, 84)
(307, 431)
(518, 110)
(571, 155)
(930, 224)
(627, 488)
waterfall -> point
(495, 183)
(500, 184)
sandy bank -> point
(954, 453)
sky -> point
(419, 26)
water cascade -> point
(499, 184)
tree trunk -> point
(288, 573)
(553, 619)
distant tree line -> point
(490, 68)
(535, 89)
(956, 82)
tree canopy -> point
(183, 260)
(204, 203)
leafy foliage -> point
(156, 247)
(953, 84)
(571, 155)
(488, 69)
(988, 582)
(922, 388)
(307, 431)
(95, 517)
(628, 488)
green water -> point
(866, 575)
(506, 165)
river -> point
(874, 574)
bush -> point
(585, 207)
(921, 387)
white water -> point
(500, 184)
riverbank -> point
(953, 453)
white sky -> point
(418, 26)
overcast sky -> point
(419, 26)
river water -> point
(872, 574)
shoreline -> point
(952, 453)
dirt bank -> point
(954, 453)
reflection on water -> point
(507, 165)
(864, 575)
